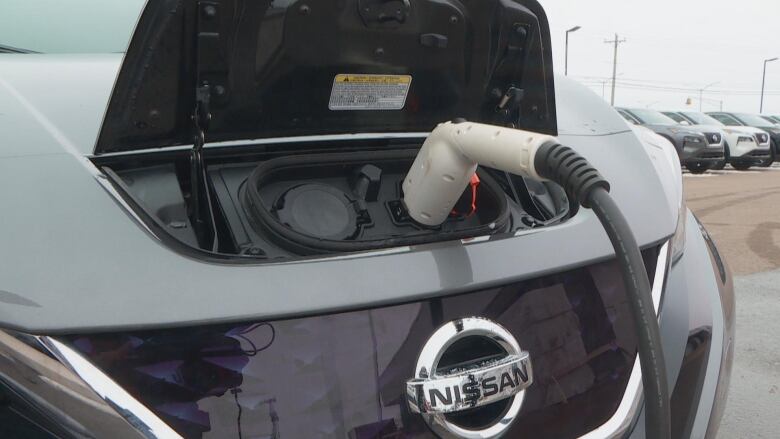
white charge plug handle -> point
(450, 156)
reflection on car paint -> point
(343, 375)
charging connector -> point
(450, 156)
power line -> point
(649, 85)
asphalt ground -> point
(741, 210)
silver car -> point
(744, 146)
(203, 233)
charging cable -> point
(447, 161)
(583, 182)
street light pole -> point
(566, 62)
(701, 99)
(701, 94)
(763, 82)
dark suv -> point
(697, 151)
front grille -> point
(741, 139)
(343, 375)
(711, 155)
(713, 138)
(759, 153)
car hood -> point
(767, 128)
(747, 129)
(275, 69)
(708, 128)
(76, 260)
(668, 129)
(64, 115)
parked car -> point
(744, 146)
(774, 119)
(204, 236)
(752, 120)
(699, 151)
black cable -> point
(238, 418)
(638, 290)
(265, 221)
(375, 346)
(585, 184)
(255, 350)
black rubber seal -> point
(262, 218)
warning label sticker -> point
(369, 92)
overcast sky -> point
(673, 44)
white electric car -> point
(745, 146)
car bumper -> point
(706, 160)
(72, 397)
(743, 144)
(753, 157)
(703, 155)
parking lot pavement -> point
(753, 408)
(742, 212)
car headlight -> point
(677, 243)
(684, 130)
(678, 240)
(667, 163)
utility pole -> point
(574, 29)
(616, 42)
(763, 82)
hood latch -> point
(384, 12)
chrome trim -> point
(106, 184)
(627, 411)
(715, 144)
(515, 366)
(49, 387)
(768, 142)
(274, 141)
(136, 414)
